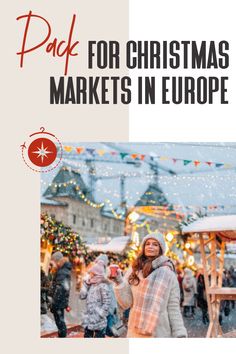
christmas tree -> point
(63, 239)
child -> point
(97, 293)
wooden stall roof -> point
(224, 226)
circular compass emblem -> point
(42, 152)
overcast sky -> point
(199, 186)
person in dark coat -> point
(232, 272)
(201, 298)
(44, 284)
(60, 291)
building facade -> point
(65, 199)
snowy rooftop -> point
(224, 225)
(51, 202)
(116, 245)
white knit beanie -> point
(98, 268)
(158, 237)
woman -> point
(151, 291)
(45, 284)
(98, 300)
(190, 292)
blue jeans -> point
(111, 320)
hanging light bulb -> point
(133, 216)
(191, 260)
(169, 237)
(187, 245)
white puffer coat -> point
(98, 302)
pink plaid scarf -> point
(151, 294)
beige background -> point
(25, 108)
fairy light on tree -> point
(62, 238)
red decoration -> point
(42, 152)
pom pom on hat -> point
(102, 257)
(57, 256)
(158, 237)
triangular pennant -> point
(227, 165)
(123, 155)
(209, 163)
(101, 152)
(142, 157)
(79, 150)
(174, 160)
(134, 156)
(114, 153)
(164, 158)
(219, 164)
(90, 150)
(68, 148)
(186, 162)
(196, 163)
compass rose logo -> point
(44, 152)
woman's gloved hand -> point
(117, 278)
(86, 279)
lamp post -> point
(131, 228)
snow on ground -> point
(47, 324)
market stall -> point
(213, 233)
(116, 245)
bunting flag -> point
(186, 162)
(142, 157)
(227, 165)
(136, 156)
(164, 158)
(123, 155)
(209, 163)
(101, 152)
(68, 148)
(90, 151)
(80, 150)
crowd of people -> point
(149, 300)
(193, 293)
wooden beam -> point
(210, 255)
(210, 330)
(213, 260)
(207, 285)
(208, 240)
(221, 261)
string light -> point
(99, 205)
(169, 237)
(187, 245)
(78, 151)
(191, 260)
